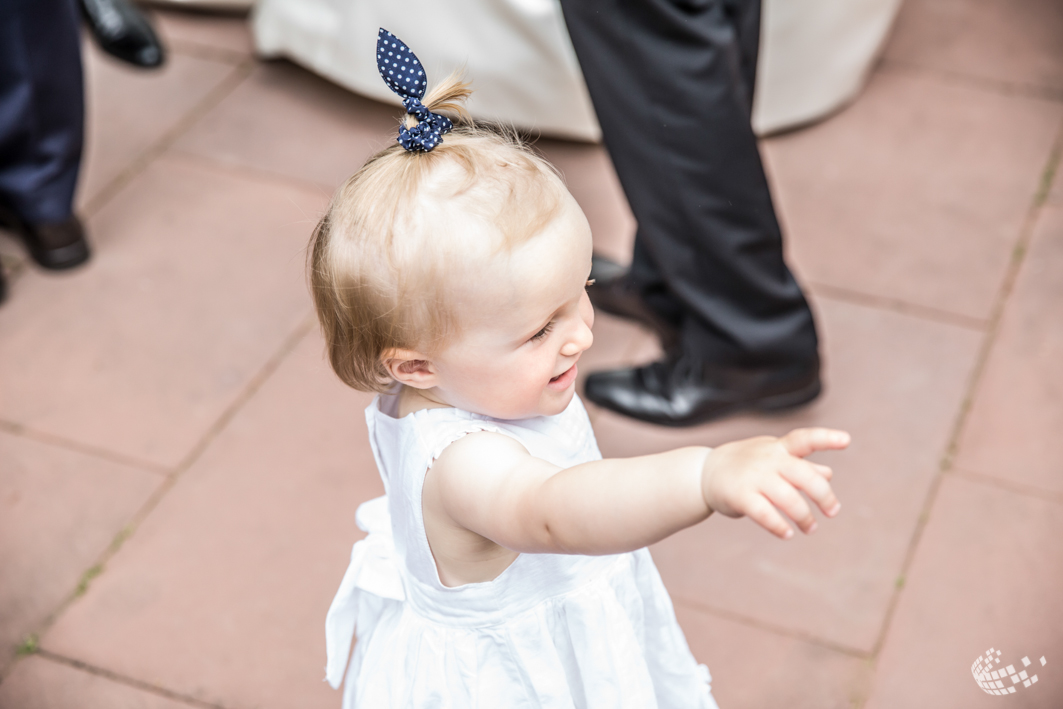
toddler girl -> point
(506, 566)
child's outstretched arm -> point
(489, 484)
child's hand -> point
(755, 476)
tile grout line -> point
(257, 381)
(1019, 251)
(1024, 489)
(122, 679)
(287, 346)
(923, 312)
(232, 80)
(207, 52)
(253, 173)
(16, 429)
(752, 622)
(236, 76)
(1001, 87)
(989, 326)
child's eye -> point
(543, 333)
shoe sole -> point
(769, 404)
(62, 258)
(791, 399)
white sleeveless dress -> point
(552, 631)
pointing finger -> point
(804, 441)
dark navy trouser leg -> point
(42, 107)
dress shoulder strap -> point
(439, 436)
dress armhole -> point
(435, 451)
(462, 431)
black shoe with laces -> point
(681, 392)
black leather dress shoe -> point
(123, 32)
(680, 392)
(614, 293)
(56, 246)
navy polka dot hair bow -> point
(404, 75)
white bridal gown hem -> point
(815, 54)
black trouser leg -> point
(672, 83)
(42, 108)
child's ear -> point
(409, 367)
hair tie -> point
(404, 75)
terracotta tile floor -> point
(179, 468)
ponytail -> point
(447, 97)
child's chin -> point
(557, 404)
(546, 406)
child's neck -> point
(411, 400)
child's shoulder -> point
(482, 448)
(424, 433)
(439, 428)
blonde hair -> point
(380, 257)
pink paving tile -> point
(222, 593)
(593, 182)
(1003, 40)
(754, 668)
(286, 120)
(39, 683)
(988, 574)
(1014, 425)
(197, 280)
(128, 110)
(58, 512)
(186, 31)
(917, 192)
(896, 383)
(13, 257)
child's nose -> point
(580, 340)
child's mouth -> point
(563, 380)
